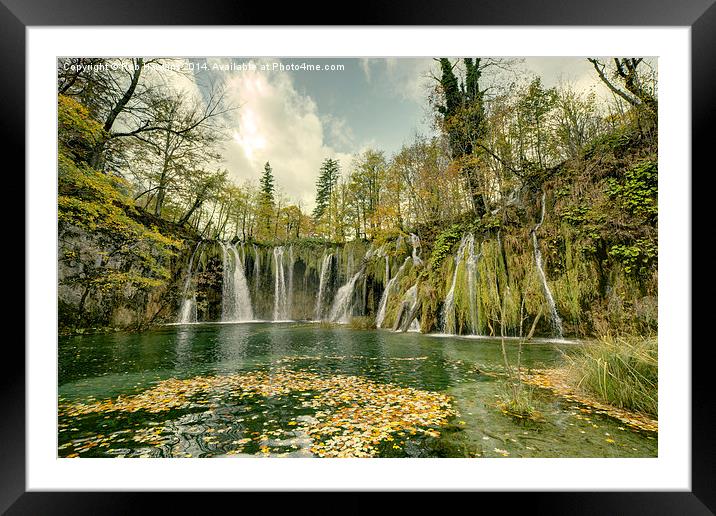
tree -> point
(633, 81)
(127, 253)
(129, 98)
(176, 152)
(364, 188)
(577, 121)
(266, 204)
(463, 114)
(534, 106)
(426, 186)
(325, 187)
(205, 185)
(267, 187)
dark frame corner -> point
(700, 15)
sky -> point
(294, 116)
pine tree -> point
(266, 200)
(325, 187)
(267, 187)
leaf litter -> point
(351, 415)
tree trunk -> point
(96, 156)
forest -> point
(528, 212)
(136, 158)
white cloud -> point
(407, 78)
(275, 123)
(365, 64)
(339, 132)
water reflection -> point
(183, 355)
(105, 366)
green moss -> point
(362, 323)
(444, 244)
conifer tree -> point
(266, 200)
(267, 187)
(325, 187)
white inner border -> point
(670, 471)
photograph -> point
(380, 257)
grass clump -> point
(362, 323)
(518, 401)
(621, 371)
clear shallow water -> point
(300, 389)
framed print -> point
(354, 258)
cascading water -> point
(556, 321)
(472, 284)
(414, 258)
(280, 306)
(236, 301)
(415, 242)
(227, 285)
(187, 311)
(257, 271)
(406, 319)
(289, 289)
(342, 308)
(449, 323)
(323, 284)
(243, 257)
(343, 304)
(380, 316)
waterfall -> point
(282, 290)
(324, 278)
(556, 321)
(406, 319)
(236, 302)
(415, 325)
(415, 242)
(227, 286)
(257, 271)
(187, 312)
(471, 284)
(380, 316)
(244, 310)
(289, 290)
(343, 304)
(449, 323)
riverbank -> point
(557, 381)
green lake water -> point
(139, 374)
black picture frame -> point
(699, 15)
